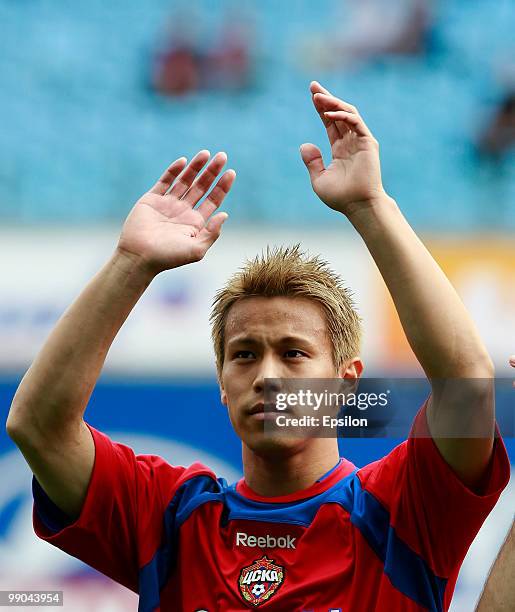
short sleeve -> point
(430, 509)
(121, 522)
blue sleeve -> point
(52, 517)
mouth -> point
(260, 408)
(269, 408)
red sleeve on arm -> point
(121, 522)
(431, 510)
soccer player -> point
(303, 529)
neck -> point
(273, 475)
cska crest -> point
(259, 581)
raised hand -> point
(164, 229)
(353, 178)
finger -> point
(204, 181)
(315, 87)
(512, 361)
(344, 129)
(214, 225)
(329, 102)
(169, 176)
(312, 157)
(332, 132)
(217, 195)
(209, 234)
(351, 120)
(187, 177)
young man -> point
(303, 530)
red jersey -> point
(389, 536)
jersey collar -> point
(342, 469)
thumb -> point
(312, 157)
(512, 361)
(213, 228)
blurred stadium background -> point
(97, 98)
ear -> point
(352, 368)
(223, 396)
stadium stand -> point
(84, 130)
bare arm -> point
(163, 231)
(437, 325)
(499, 592)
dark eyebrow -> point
(250, 341)
(242, 340)
(295, 340)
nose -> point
(268, 369)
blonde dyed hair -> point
(289, 272)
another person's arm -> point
(437, 325)
(164, 230)
(499, 592)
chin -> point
(273, 446)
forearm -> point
(439, 329)
(55, 390)
(164, 230)
(437, 325)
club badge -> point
(259, 581)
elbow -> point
(18, 426)
(14, 425)
(12, 430)
(29, 429)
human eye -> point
(298, 354)
(243, 355)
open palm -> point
(164, 228)
(354, 174)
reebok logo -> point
(266, 541)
